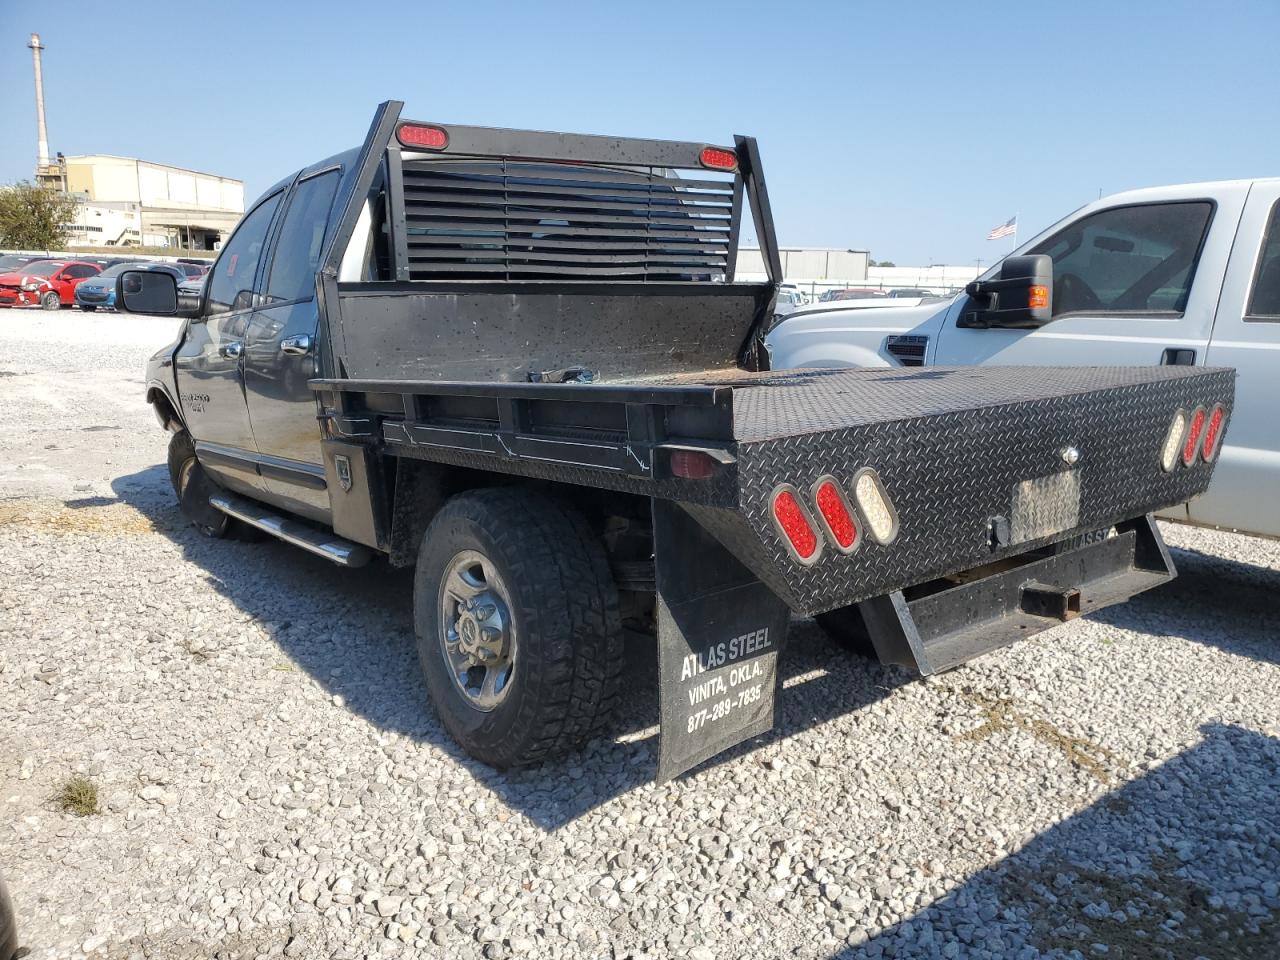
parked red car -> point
(49, 283)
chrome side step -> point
(327, 545)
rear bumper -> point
(948, 624)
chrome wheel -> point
(477, 636)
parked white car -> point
(1187, 274)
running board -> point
(942, 630)
(327, 545)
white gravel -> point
(271, 781)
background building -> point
(808, 263)
(127, 201)
(815, 269)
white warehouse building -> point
(128, 201)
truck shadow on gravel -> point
(351, 631)
(1215, 600)
(1181, 863)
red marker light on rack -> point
(718, 158)
(423, 137)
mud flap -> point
(720, 631)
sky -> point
(909, 129)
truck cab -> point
(1178, 275)
(238, 373)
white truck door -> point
(1245, 493)
(1134, 283)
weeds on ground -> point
(79, 796)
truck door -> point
(208, 365)
(1247, 337)
(1124, 287)
(280, 354)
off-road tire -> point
(846, 629)
(51, 301)
(193, 495)
(564, 606)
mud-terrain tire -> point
(51, 301)
(193, 485)
(531, 570)
(846, 629)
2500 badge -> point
(195, 402)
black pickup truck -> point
(521, 361)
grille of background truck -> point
(495, 219)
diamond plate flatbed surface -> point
(954, 449)
(773, 404)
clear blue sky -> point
(910, 129)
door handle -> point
(231, 350)
(1178, 357)
(296, 346)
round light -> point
(1195, 432)
(1173, 441)
(835, 514)
(792, 521)
(874, 505)
(1213, 434)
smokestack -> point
(42, 135)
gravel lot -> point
(271, 782)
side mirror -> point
(147, 291)
(1020, 295)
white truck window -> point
(1126, 260)
(1264, 299)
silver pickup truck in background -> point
(1186, 274)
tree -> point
(881, 263)
(34, 217)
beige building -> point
(169, 206)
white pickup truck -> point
(1186, 274)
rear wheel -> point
(51, 301)
(193, 487)
(846, 628)
(517, 622)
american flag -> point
(1006, 229)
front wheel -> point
(51, 301)
(193, 487)
(517, 622)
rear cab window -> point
(297, 252)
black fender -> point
(166, 408)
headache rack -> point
(616, 256)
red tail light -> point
(1213, 434)
(795, 525)
(1195, 430)
(692, 464)
(835, 514)
(423, 137)
(718, 158)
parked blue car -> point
(101, 290)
